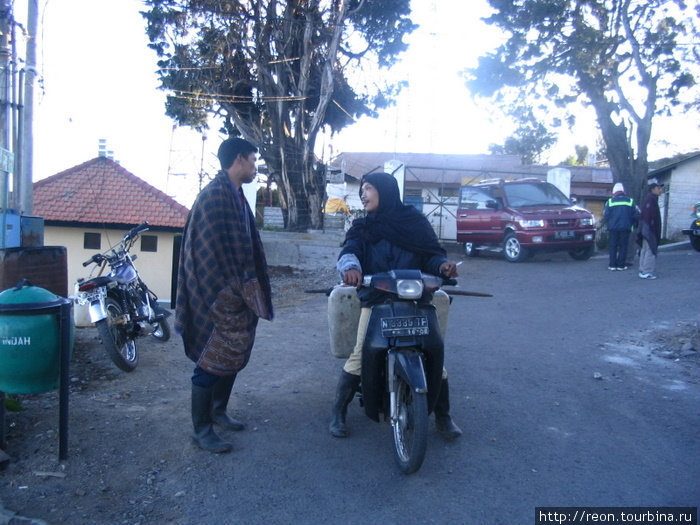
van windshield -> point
(535, 194)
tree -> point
(530, 140)
(628, 59)
(277, 73)
(580, 159)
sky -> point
(98, 81)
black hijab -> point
(401, 225)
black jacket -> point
(384, 256)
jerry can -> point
(344, 315)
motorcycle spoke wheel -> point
(120, 348)
(162, 332)
(410, 428)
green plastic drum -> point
(30, 339)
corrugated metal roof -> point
(452, 169)
(101, 191)
(661, 165)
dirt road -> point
(566, 398)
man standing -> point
(222, 290)
(650, 231)
(620, 217)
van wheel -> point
(513, 250)
(470, 249)
(695, 242)
(582, 254)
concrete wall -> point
(683, 192)
(272, 216)
(155, 268)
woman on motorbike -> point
(392, 236)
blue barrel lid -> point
(26, 297)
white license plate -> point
(404, 326)
(568, 234)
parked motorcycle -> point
(120, 304)
(693, 232)
(402, 360)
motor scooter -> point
(402, 354)
(693, 232)
(402, 359)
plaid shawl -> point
(222, 269)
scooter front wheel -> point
(120, 348)
(410, 427)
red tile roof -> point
(100, 191)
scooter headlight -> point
(409, 288)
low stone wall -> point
(306, 251)
(316, 249)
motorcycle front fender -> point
(97, 311)
(162, 312)
(409, 366)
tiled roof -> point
(100, 191)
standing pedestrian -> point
(632, 247)
(650, 231)
(620, 217)
(222, 289)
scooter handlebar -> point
(449, 281)
(446, 281)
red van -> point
(522, 217)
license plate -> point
(84, 298)
(404, 326)
(567, 234)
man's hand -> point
(352, 278)
(448, 269)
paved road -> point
(540, 428)
(561, 401)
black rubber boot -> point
(221, 391)
(443, 421)
(348, 384)
(204, 435)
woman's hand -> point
(448, 269)
(352, 277)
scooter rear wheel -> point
(410, 428)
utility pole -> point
(5, 109)
(26, 188)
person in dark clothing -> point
(620, 215)
(649, 233)
(222, 290)
(392, 236)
